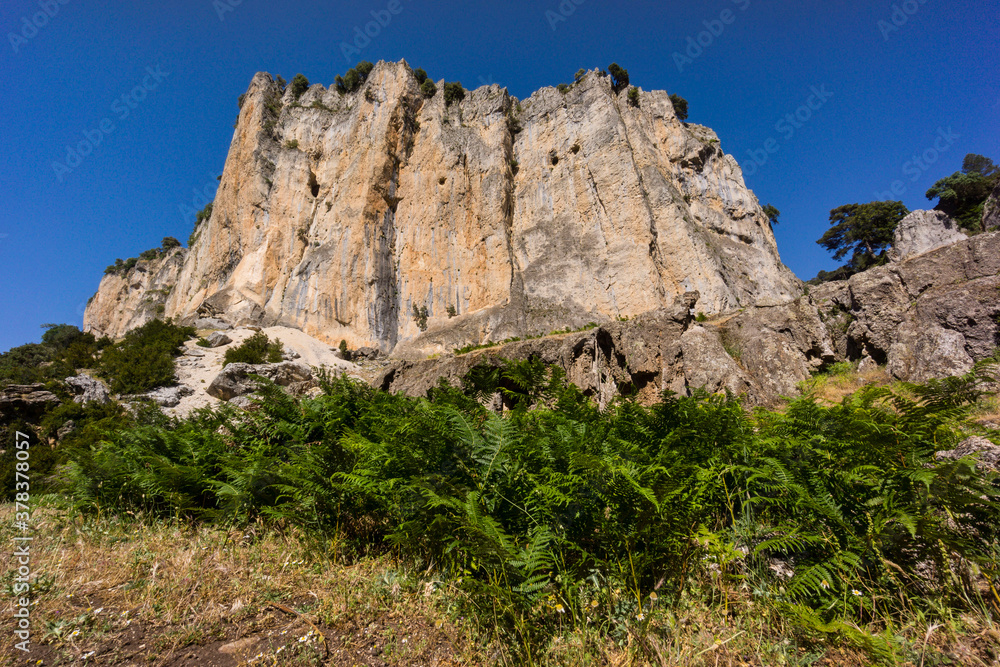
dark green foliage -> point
(555, 500)
(241, 99)
(169, 242)
(619, 77)
(345, 352)
(300, 84)
(353, 78)
(203, 342)
(840, 273)
(147, 255)
(257, 349)
(144, 359)
(420, 75)
(420, 317)
(563, 88)
(680, 106)
(580, 73)
(963, 194)
(772, 214)
(203, 215)
(64, 348)
(281, 82)
(633, 96)
(863, 230)
(428, 88)
(450, 310)
(121, 266)
(453, 92)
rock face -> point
(130, 299)
(218, 339)
(930, 316)
(25, 399)
(341, 215)
(991, 210)
(922, 231)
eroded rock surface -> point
(340, 214)
(235, 379)
(923, 231)
(88, 389)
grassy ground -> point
(115, 590)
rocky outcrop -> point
(25, 400)
(235, 379)
(218, 339)
(923, 231)
(341, 215)
(991, 210)
(130, 298)
(760, 354)
(88, 390)
(930, 316)
(987, 454)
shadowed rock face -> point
(339, 214)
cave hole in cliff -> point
(313, 184)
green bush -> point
(420, 317)
(619, 77)
(203, 342)
(453, 92)
(680, 106)
(428, 88)
(144, 359)
(345, 352)
(563, 88)
(420, 75)
(257, 349)
(169, 243)
(300, 84)
(633, 96)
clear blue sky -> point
(891, 93)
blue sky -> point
(892, 90)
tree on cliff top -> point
(619, 76)
(963, 194)
(864, 231)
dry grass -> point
(119, 591)
(843, 380)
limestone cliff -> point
(340, 214)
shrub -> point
(428, 88)
(451, 311)
(420, 317)
(633, 96)
(680, 106)
(420, 75)
(147, 255)
(203, 342)
(345, 352)
(453, 92)
(580, 73)
(619, 77)
(364, 68)
(300, 84)
(169, 243)
(563, 88)
(144, 359)
(204, 214)
(292, 143)
(257, 349)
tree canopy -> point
(962, 194)
(772, 214)
(680, 106)
(619, 76)
(300, 84)
(864, 231)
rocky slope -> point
(340, 214)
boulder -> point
(211, 323)
(234, 380)
(88, 389)
(365, 353)
(986, 453)
(923, 231)
(218, 339)
(169, 397)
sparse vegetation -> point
(963, 194)
(451, 311)
(292, 143)
(619, 77)
(345, 352)
(772, 214)
(420, 317)
(428, 88)
(633, 96)
(354, 78)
